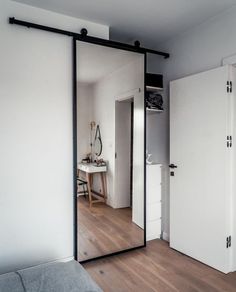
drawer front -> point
(153, 174)
(153, 229)
(153, 211)
(153, 194)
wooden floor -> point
(158, 268)
(103, 230)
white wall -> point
(36, 204)
(198, 49)
(123, 80)
(84, 118)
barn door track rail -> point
(83, 36)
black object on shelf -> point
(154, 100)
(154, 81)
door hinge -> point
(229, 141)
(229, 86)
(228, 241)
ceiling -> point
(95, 62)
(150, 21)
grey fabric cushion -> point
(58, 277)
(11, 283)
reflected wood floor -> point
(158, 268)
(104, 230)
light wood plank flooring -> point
(103, 230)
(158, 268)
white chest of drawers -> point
(153, 201)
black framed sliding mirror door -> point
(110, 199)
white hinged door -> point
(200, 172)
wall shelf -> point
(153, 88)
(153, 111)
(154, 81)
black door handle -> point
(172, 166)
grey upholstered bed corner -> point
(56, 277)
(11, 282)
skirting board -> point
(64, 260)
(46, 263)
(51, 262)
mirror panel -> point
(110, 150)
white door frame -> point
(127, 95)
(138, 154)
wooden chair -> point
(82, 183)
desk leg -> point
(88, 178)
(104, 189)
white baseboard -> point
(65, 259)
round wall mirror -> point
(98, 142)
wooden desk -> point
(90, 169)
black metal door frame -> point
(75, 152)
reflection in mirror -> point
(110, 151)
(98, 142)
